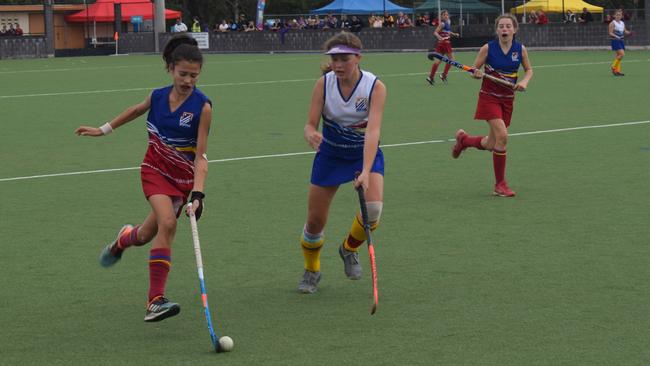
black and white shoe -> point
(160, 308)
(431, 81)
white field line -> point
(269, 156)
(160, 66)
(266, 82)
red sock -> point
(499, 160)
(160, 262)
(128, 238)
(473, 141)
(433, 70)
(447, 66)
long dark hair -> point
(181, 47)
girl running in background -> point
(502, 58)
(350, 102)
(443, 33)
(618, 32)
(174, 166)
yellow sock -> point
(618, 65)
(614, 63)
(357, 234)
(311, 247)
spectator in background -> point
(403, 21)
(532, 17)
(250, 27)
(356, 25)
(542, 19)
(371, 20)
(607, 19)
(345, 22)
(11, 31)
(196, 25)
(3, 31)
(223, 27)
(302, 24)
(626, 15)
(569, 17)
(434, 20)
(585, 16)
(19, 31)
(180, 26)
(377, 23)
(389, 21)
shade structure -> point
(454, 7)
(103, 11)
(361, 7)
(556, 6)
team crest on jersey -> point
(515, 56)
(185, 119)
(361, 104)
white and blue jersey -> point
(345, 120)
(619, 31)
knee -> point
(314, 225)
(501, 139)
(167, 225)
(374, 211)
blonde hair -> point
(515, 24)
(342, 38)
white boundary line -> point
(271, 82)
(312, 152)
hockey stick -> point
(199, 267)
(443, 58)
(371, 249)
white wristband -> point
(106, 128)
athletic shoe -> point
(111, 253)
(614, 71)
(430, 80)
(309, 282)
(443, 77)
(618, 73)
(502, 190)
(160, 308)
(458, 146)
(350, 263)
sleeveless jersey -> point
(503, 66)
(173, 135)
(446, 30)
(345, 120)
(619, 28)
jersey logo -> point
(185, 119)
(515, 56)
(361, 104)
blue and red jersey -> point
(503, 66)
(173, 135)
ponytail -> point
(181, 47)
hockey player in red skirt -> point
(443, 33)
(175, 166)
(502, 58)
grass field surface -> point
(555, 276)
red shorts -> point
(491, 107)
(443, 47)
(153, 182)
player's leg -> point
(432, 74)
(165, 210)
(357, 235)
(311, 240)
(497, 141)
(443, 76)
(129, 236)
(619, 58)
